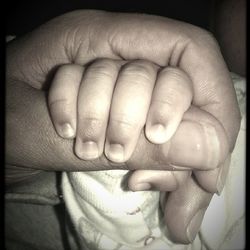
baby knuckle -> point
(103, 68)
(93, 121)
(91, 126)
(177, 79)
(139, 69)
(168, 102)
(69, 69)
(125, 124)
(173, 72)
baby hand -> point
(106, 104)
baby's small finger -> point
(129, 108)
(62, 99)
(94, 101)
(172, 96)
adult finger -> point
(43, 149)
(193, 50)
(165, 181)
(184, 211)
(205, 135)
(211, 181)
(62, 99)
(172, 96)
(129, 108)
(94, 100)
(214, 180)
(204, 147)
(160, 40)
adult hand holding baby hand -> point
(83, 36)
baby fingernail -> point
(115, 152)
(157, 133)
(194, 225)
(142, 186)
(88, 150)
(66, 131)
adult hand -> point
(33, 144)
(75, 38)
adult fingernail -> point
(157, 133)
(194, 225)
(143, 186)
(66, 130)
(223, 175)
(219, 185)
(115, 152)
(213, 145)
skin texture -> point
(75, 38)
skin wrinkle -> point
(74, 36)
(208, 106)
(97, 31)
(161, 21)
(177, 53)
(65, 101)
(93, 125)
(114, 41)
(64, 58)
(100, 69)
(73, 49)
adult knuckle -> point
(205, 38)
(209, 36)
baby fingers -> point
(62, 99)
(94, 100)
(129, 108)
(172, 96)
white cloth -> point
(107, 216)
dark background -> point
(23, 16)
(226, 19)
